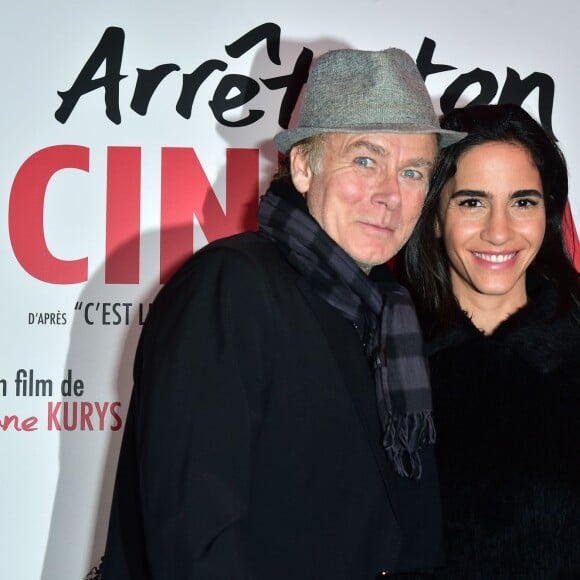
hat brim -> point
(286, 139)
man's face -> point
(369, 191)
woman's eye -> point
(364, 161)
(470, 202)
(525, 203)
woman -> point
(498, 298)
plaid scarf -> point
(381, 311)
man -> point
(280, 426)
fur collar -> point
(542, 337)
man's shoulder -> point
(249, 244)
(236, 270)
(248, 247)
(239, 256)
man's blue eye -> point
(364, 161)
(411, 174)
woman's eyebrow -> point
(527, 193)
(468, 193)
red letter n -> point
(186, 191)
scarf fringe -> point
(405, 436)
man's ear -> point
(300, 170)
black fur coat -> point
(507, 408)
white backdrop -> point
(89, 211)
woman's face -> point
(492, 220)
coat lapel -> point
(342, 341)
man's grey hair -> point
(312, 148)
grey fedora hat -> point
(360, 91)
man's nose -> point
(387, 192)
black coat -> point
(252, 445)
(507, 411)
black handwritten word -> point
(515, 89)
(50, 318)
(233, 90)
(110, 313)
